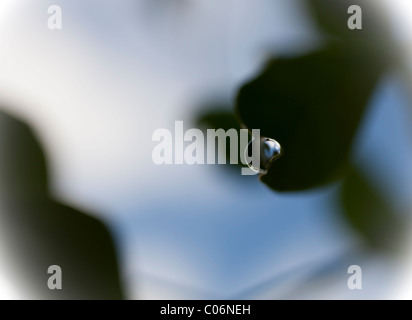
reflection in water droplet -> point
(270, 150)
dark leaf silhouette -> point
(40, 232)
(312, 105)
(220, 117)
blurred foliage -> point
(369, 212)
(314, 104)
(332, 18)
(216, 117)
(40, 232)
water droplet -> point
(270, 150)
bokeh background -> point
(94, 92)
